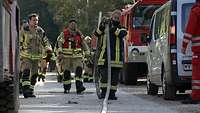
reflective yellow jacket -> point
(33, 43)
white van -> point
(167, 66)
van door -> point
(183, 61)
(154, 56)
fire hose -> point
(105, 101)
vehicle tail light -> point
(172, 38)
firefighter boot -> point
(103, 93)
(112, 95)
(34, 79)
(79, 84)
(39, 77)
(33, 82)
(80, 90)
(43, 78)
(59, 78)
(66, 91)
(30, 94)
(67, 81)
(26, 84)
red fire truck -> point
(9, 56)
(136, 19)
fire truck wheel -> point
(7, 98)
(169, 91)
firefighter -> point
(87, 76)
(192, 33)
(70, 49)
(34, 46)
(117, 34)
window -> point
(185, 14)
(157, 25)
(162, 22)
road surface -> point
(131, 99)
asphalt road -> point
(131, 99)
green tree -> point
(86, 11)
(60, 11)
(45, 17)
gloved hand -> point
(103, 24)
(48, 58)
(49, 55)
(113, 29)
(60, 57)
(49, 51)
(89, 63)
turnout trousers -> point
(104, 78)
(195, 76)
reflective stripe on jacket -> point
(116, 46)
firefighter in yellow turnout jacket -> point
(70, 50)
(87, 76)
(117, 33)
(33, 48)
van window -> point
(157, 25)
(162, 22)
(185, 14)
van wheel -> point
(7, 98)
(152, 89)
(129, 74)
(169, 91)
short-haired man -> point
(34, 46)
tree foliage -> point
(60, 11)
(45, 17)
(86, 11)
